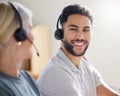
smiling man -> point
(69, 73)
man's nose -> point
(80, 35)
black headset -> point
(20, 34)
(59, 32)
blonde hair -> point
(9, 21)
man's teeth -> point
(78, 44)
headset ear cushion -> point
(20, 35)
(59, 34)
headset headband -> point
(16, 12)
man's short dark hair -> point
(75, 9)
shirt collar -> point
(67, 61)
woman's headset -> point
(20, 34)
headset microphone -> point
(67, 45)
(34, 46)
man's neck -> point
(75, 60)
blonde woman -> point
(15, 47)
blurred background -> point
(104, 50)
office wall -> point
(104, 50)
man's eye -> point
(86, 30)
(73, 29)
